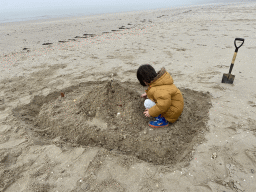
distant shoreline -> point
(44, 17)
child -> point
(165, 99)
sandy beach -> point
(71, 116)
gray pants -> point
(149, 103)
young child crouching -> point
(165, 101)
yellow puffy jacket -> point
(168, 98)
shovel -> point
(228, 77)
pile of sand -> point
(111, 116)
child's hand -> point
(146, 113)
(144, 95)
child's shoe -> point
(160, 122)
(159, 116)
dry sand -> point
(96, 138)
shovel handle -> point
(235, 54)
(238, 39)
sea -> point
(25, 10)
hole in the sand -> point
(46, 43)
(89, 35)
(80, 37)
(110, 115)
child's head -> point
(146, 73)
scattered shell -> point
(214, 155)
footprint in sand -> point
(251, 103)
(47, 43)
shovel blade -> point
(228, 78)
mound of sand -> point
(111, 116)
(118, 106)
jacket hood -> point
(162, 78)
